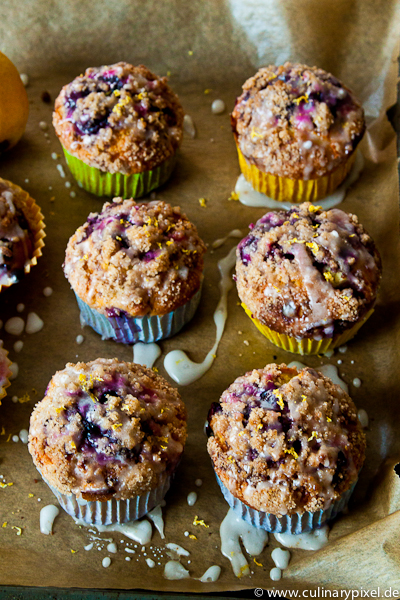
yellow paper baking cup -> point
(101, 183)
(35, 219)
(284, 189)
(5, 372)
(306, 345)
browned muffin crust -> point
(285, 441)
(140, 258)
(107, 429)
(119, 118)
(297, 122)
(308, 272)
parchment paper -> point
(214, 46)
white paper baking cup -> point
(111, 512)
(149, 328)
(295, 524)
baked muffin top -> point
(295, 121)
(119, 118)
(16, 238)
(137, 258)
(107, 429)
(285, 441)
(307, 272)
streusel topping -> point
(138, 258)
(295, 121)
(16, 239)
(308, 272)
(107, 429)
(119, 118)
(285, 441)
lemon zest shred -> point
(280, 402)
(292, 451)
(197, 521)
(17, 529)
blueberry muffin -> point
(21, 233)
(296, 130)
(308, 278)
(286, 447)
(136, 270)
(120, 127)
(107, 437)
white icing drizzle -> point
(217, 107)
(178, 549)
(155, 515)
(138, 531)
(235, 233)
(189, 126)
(106, 562)
(177, 364)
(281, 558)
(14, 326)
(150, 563)
(314, 540)
(146, 354)
(18, 346)
(363, 418)
(112, 547)
(33, 323)
(232, 529)
(191, 499)
(212, 574)
(275, 574)
(23, 436)
(14, 371)
(174, 570)
(249, 197)
(328, 370)
(89, 547)
(357, 382)
(47, 516)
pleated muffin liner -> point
(102, 183)
(294, 524)
(5, 363)
(111, 512)
(149, 328)
(35, 220)
(307, 346)
(284, 189)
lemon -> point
(13, 104)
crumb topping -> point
(285, 441)
(107, 429)
(137, 258)
(119, 118)
(16, 240)
(308, 272)
(295, 121)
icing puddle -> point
(314, 540)
(146, 354)
(249, 197)
(232, 530)
(177, 363)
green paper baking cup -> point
(102, 183)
